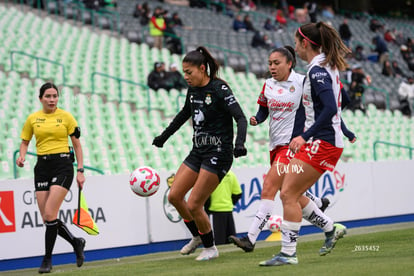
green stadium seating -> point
(117, 136)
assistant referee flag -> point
(82, 218)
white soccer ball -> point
(144, 181)
(274, 223)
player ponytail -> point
(324, 38)
(201, 56)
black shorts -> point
(215, 162)
(54, 169)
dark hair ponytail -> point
(45, 87)
(201, 56)
(293, 55)
(288, 52)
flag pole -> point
(79, 203)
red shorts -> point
(281, 154)
(320, 154)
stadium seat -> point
(83, 51)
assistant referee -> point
(53, 173)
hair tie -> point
(307, 38)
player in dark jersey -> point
(212, 107)
(53, 173)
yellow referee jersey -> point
(50, 130)
(221, 198)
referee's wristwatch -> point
(81, 170)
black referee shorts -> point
(215, 162)
(53, 169)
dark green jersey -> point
(212, 109)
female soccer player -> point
(319, 148)
(53, 173)
(281, 99)
(212, 106)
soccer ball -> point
(144, 181)
(274, 223)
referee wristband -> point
(81, 170)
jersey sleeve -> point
(27, 131)
(320, 80)
(349, 134)
(236, 112)
(322, 84)
(226, 93)
(262, 100)
(71, 123)
(262, 114)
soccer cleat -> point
(338, 232)
(191, 246)
(46, 265)
(325, 204)
(208, 254)
(280, 259)
(243, 242)
(80, 245)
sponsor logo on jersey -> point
(208, 99)
(230, 99)
(204, 140)
(198, 116)
(192, 100)
(319, 75)
(280, 105)
(224, 87)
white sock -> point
(290, 234)
(314, 215)
(315, 199)
(262, 216)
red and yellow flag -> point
(82, 218)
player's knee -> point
(49, 216)
(285, 196)
(269, 190)
(194, 208)
(173, 199)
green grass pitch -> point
(376, 250)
